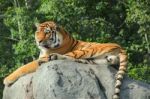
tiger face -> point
(48, 36)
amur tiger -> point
(56, 43)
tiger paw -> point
(7, 81)
(42, 60)
(55, 56)
(112, 59)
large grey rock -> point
(71, 80)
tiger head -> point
(49, 35)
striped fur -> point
(55, 43)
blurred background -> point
(126, 22)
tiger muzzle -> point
(44, 44)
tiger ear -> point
(37, 25)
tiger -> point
(56, 43)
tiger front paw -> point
(7, 81)
(55, 56)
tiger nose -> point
(40, 41)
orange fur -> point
(28, 68)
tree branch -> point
(8, 38)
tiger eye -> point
(47, 30)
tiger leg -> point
(56, 56)
(28, 68)
(25, 69)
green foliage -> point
(124, 22)
(138, 23)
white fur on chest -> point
(43, 52)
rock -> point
(63, 79)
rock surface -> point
(70, 80)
